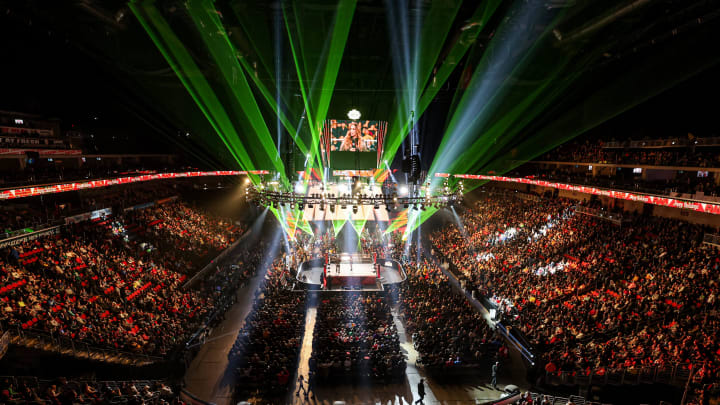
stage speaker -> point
(411, 166)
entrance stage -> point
(349, 272)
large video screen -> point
(343, 138)
(354, 136)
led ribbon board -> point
(63, 187)
(708, 208)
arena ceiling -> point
(491, 83)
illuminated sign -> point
(61, 188)
(708, 208)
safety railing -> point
(217, 261)
(517, 342)
(40, 385)
(64, 345)
(228, 293)
(558, 400)
(36, 227)
(663, 143)
(711, 239)
(676, 374)
(615, 218)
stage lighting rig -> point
(409, 196)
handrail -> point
(662, 143)
(711, 239)
(23, 334)
(30, 229)
(644, 166)
(215, 262)
(228, 293)
(602, 214)
(677, 374)
(524, 351)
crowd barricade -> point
(615, 377)
(681, 373)
(664, 374)
(647, 375)
(554, 378)
(632, 376)
(583, 379)
(677, 374)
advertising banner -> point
(709, 208)
(88, 215)
(16, 240)
(63, 187)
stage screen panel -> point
(353, 144)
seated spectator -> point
(356, 330)
(91, 284)
(592, 296)
(268, 344)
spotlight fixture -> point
(354, 114)
(300, 195)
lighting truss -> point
(290, 198)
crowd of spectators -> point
(447, 331)
(355, 338)
(185, 235)
(596, 151)
(265, 353)
(37, 212)
(30, 390)
(222, 284)
(590, 295)
(688, 182)
(106, 283)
